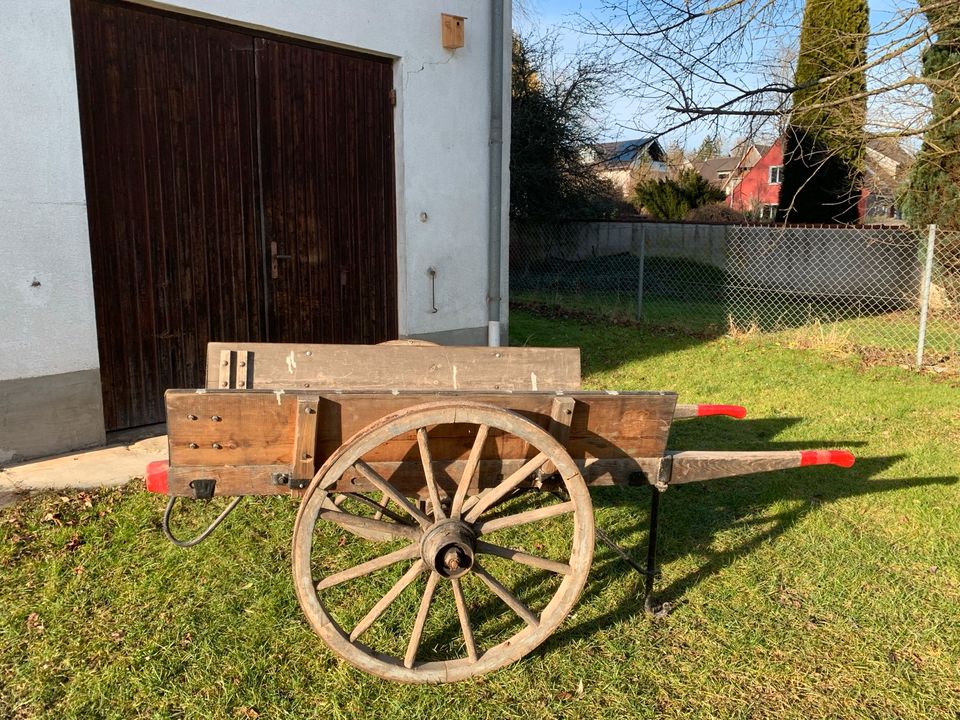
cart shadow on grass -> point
(693, 516)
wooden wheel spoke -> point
(384, 501)
(374, 478)
(524, 558)
(380, 507)
(377, 610)
(370, 566)
(489, 498)
(527, 516)
(427, 461)
(473, 461)
(512, 601)
(464, 616)
(414, 644)
(369, 528)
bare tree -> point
(726, 64)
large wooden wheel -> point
(465, 582)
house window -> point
(768, 212)
(776, 174)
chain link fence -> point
(891, 291)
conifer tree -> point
(933, 196)
(824, 144)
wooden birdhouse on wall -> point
(451, 31)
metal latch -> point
(203, 488)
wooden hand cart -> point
(465, 470)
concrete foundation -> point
(50, 414)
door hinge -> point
(392, 95)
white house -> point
(251, 170)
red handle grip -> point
(841, 458)
(157, 476)
(734, 411)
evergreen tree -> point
(672, 199)
(933, 195)
(824, 143)
(710, 148)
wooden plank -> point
(223, 369)
(261, 425)
(699, 465)
(305, 442)
(407, 476)
(561, 415)
(230, 428)
(231, 480)
(242, 373)
(388, 367)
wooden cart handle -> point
(688, 411)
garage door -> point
(240, 187)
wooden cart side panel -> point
(254, 428)
(275, 366)
(230, 428)
(406, 475)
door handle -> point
(274, 265)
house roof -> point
(711, 169)
(625, 152)
(763, 149)
(890, 148)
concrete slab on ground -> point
(107, 466)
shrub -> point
(715, 213)
(672, 199)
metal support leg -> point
(651, 571)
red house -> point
(886, 165)
(758, 191)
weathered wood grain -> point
(232, 428)
(400, 366)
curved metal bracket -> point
(202, 536)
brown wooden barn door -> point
(167, 115)
(326, 128)
(180, 119)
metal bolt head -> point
(242, 363)
(191, 417)
(225, 363)
(193, 446)
(225, 384)
(241, 384)
(217, 446)
(216, 418)
(308, 353)
(310, 411)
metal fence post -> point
(925, 293)
(640, 253)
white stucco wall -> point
(46, 328)
(442, 134)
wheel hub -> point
(448, 548)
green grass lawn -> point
(809, 593)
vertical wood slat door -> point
(168, 114)
(328, 193)
(173, 112)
